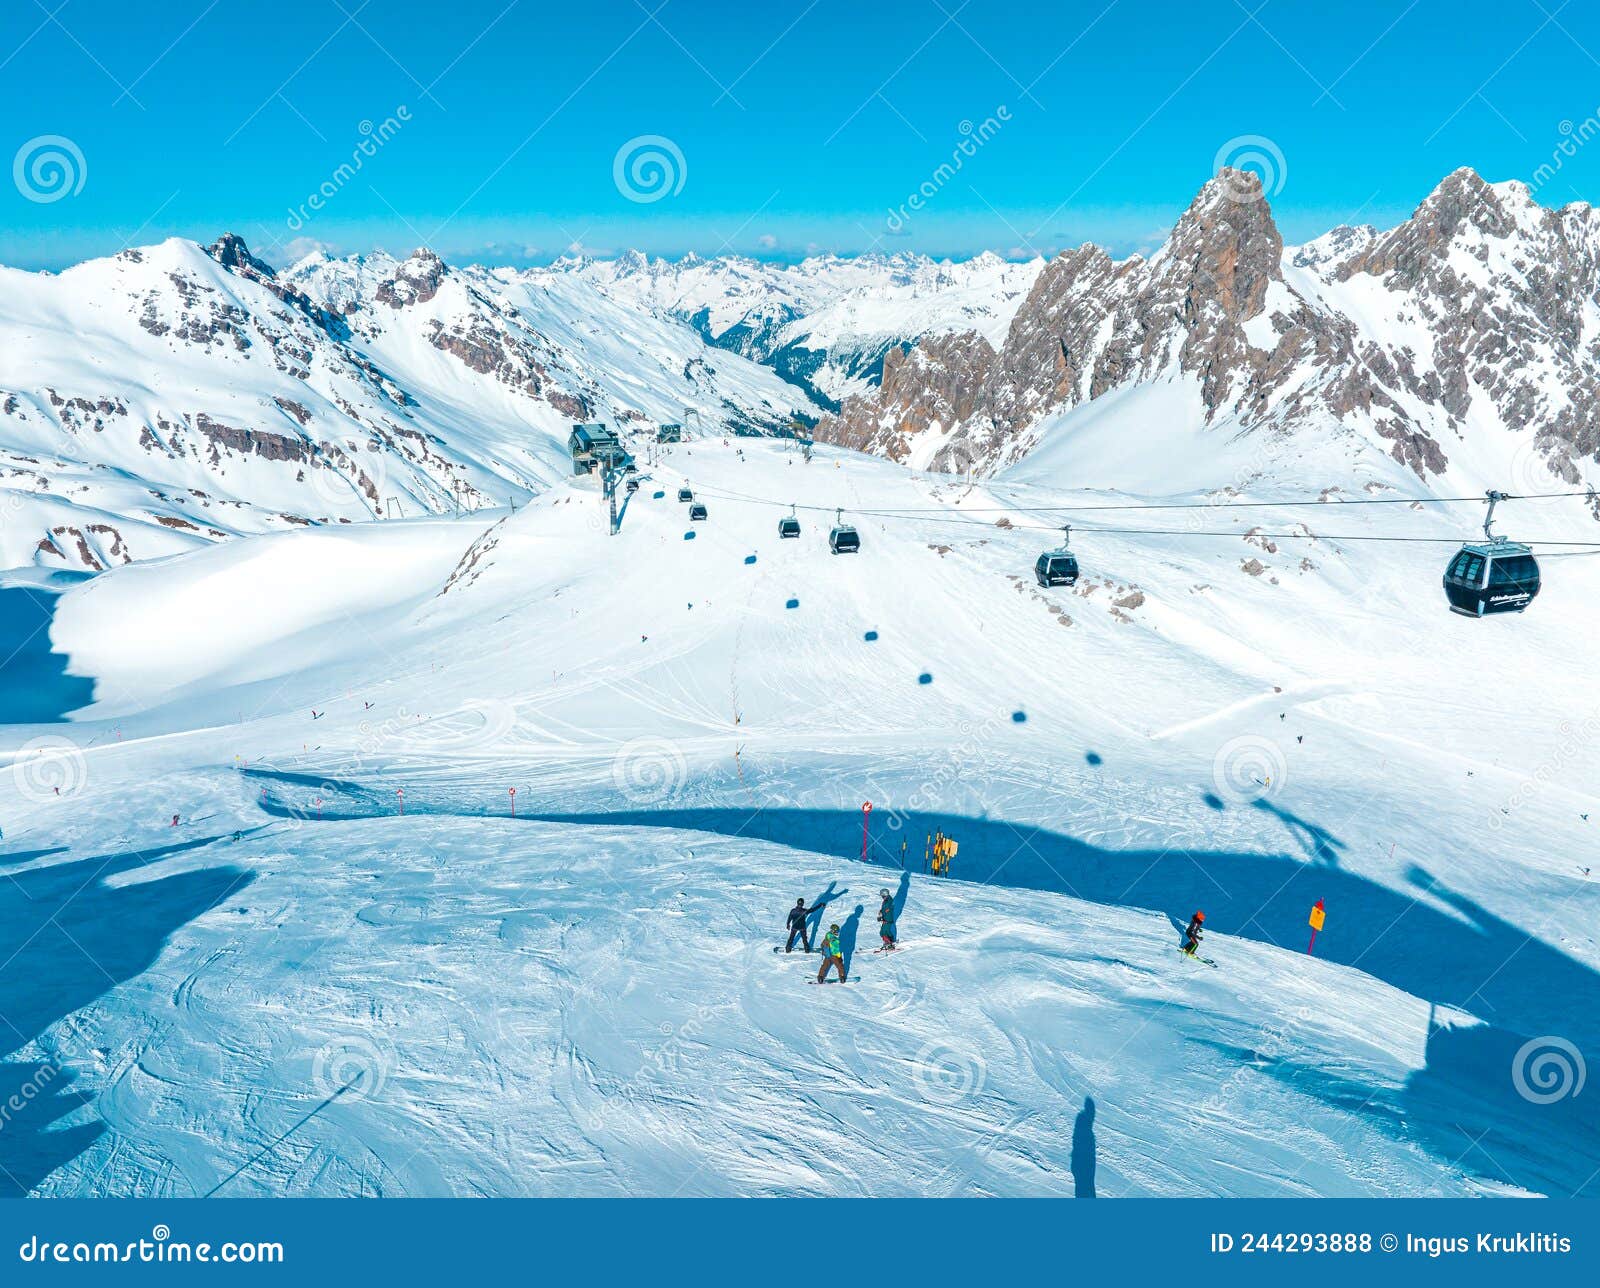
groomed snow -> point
(308, 993)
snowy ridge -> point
(174, 396)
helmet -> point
(883, 894)
(1199, 916)
(800, 902)
(835, 926)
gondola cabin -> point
(1056, 568)
(633, 485)
(1497, 576)
(844, 540)
(788, 527)
(1494, 575)
(685, 494)
(697, 512)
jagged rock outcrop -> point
(1486, 297)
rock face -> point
(1481, 300)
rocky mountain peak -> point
(230, 251)
(1226, 247)
(416, 281)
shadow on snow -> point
(67, 937)
(1429, 941)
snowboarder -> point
(886, 922)
(797, 925)
(832, 954)
(1192, 936)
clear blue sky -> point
(800, 125)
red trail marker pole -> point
(1316, 920)
(401, 793)
(866, 813)
(513, 802)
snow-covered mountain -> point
(1464, 344)
(176, 395)
(825, 323)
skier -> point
(886, 922)
(1191, 936)
(832, 954)
(797, 925)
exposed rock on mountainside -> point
(1473, 310)
(166, 383)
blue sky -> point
(786, 126)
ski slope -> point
(296, 988)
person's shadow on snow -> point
(847, 937)
(1082, 1162)
(817, 909)
(902, 894)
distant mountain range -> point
(175, 395)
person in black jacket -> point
(797, 925)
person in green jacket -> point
(832, 955)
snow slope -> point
(176, 396)
(304, 992)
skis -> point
(1195, 957)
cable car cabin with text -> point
(697, 512)
(789, 527)
(1495, 575)
(1491, 577)
(844, 539)
(1057, 567)
(685, 493)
